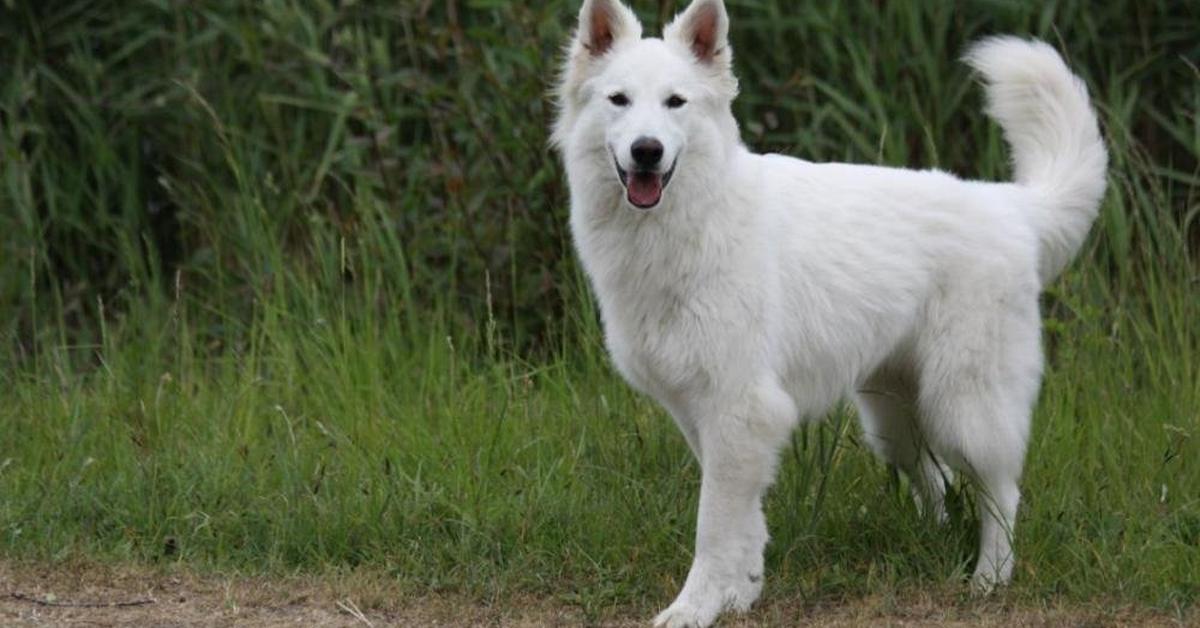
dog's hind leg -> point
(740, 438)
(982, 368)
(997, 498)
(887, 411)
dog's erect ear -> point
(602, 23)
(704, 28)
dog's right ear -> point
(603, 23)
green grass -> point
(287, 286)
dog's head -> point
(646, 106)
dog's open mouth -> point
(644, 188)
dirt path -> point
(91, 595)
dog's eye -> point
(619, 99)
(676, 101)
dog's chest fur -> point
(678, 309)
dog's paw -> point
(982, 586)
(683, 615)
(985, 582)
(699, 605)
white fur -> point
(762, 288)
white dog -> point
(747, 292)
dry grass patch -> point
(89, 594)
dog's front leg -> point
(726, 571)
(740, 448)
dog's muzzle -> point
(644, 188)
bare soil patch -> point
(100, 595)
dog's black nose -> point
(647, 152)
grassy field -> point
(287, 287)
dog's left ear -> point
(704, 28)
(603, 26)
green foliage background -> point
(289, 284)
(208, 150)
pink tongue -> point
(645, 188)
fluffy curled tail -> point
(1048, 121)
